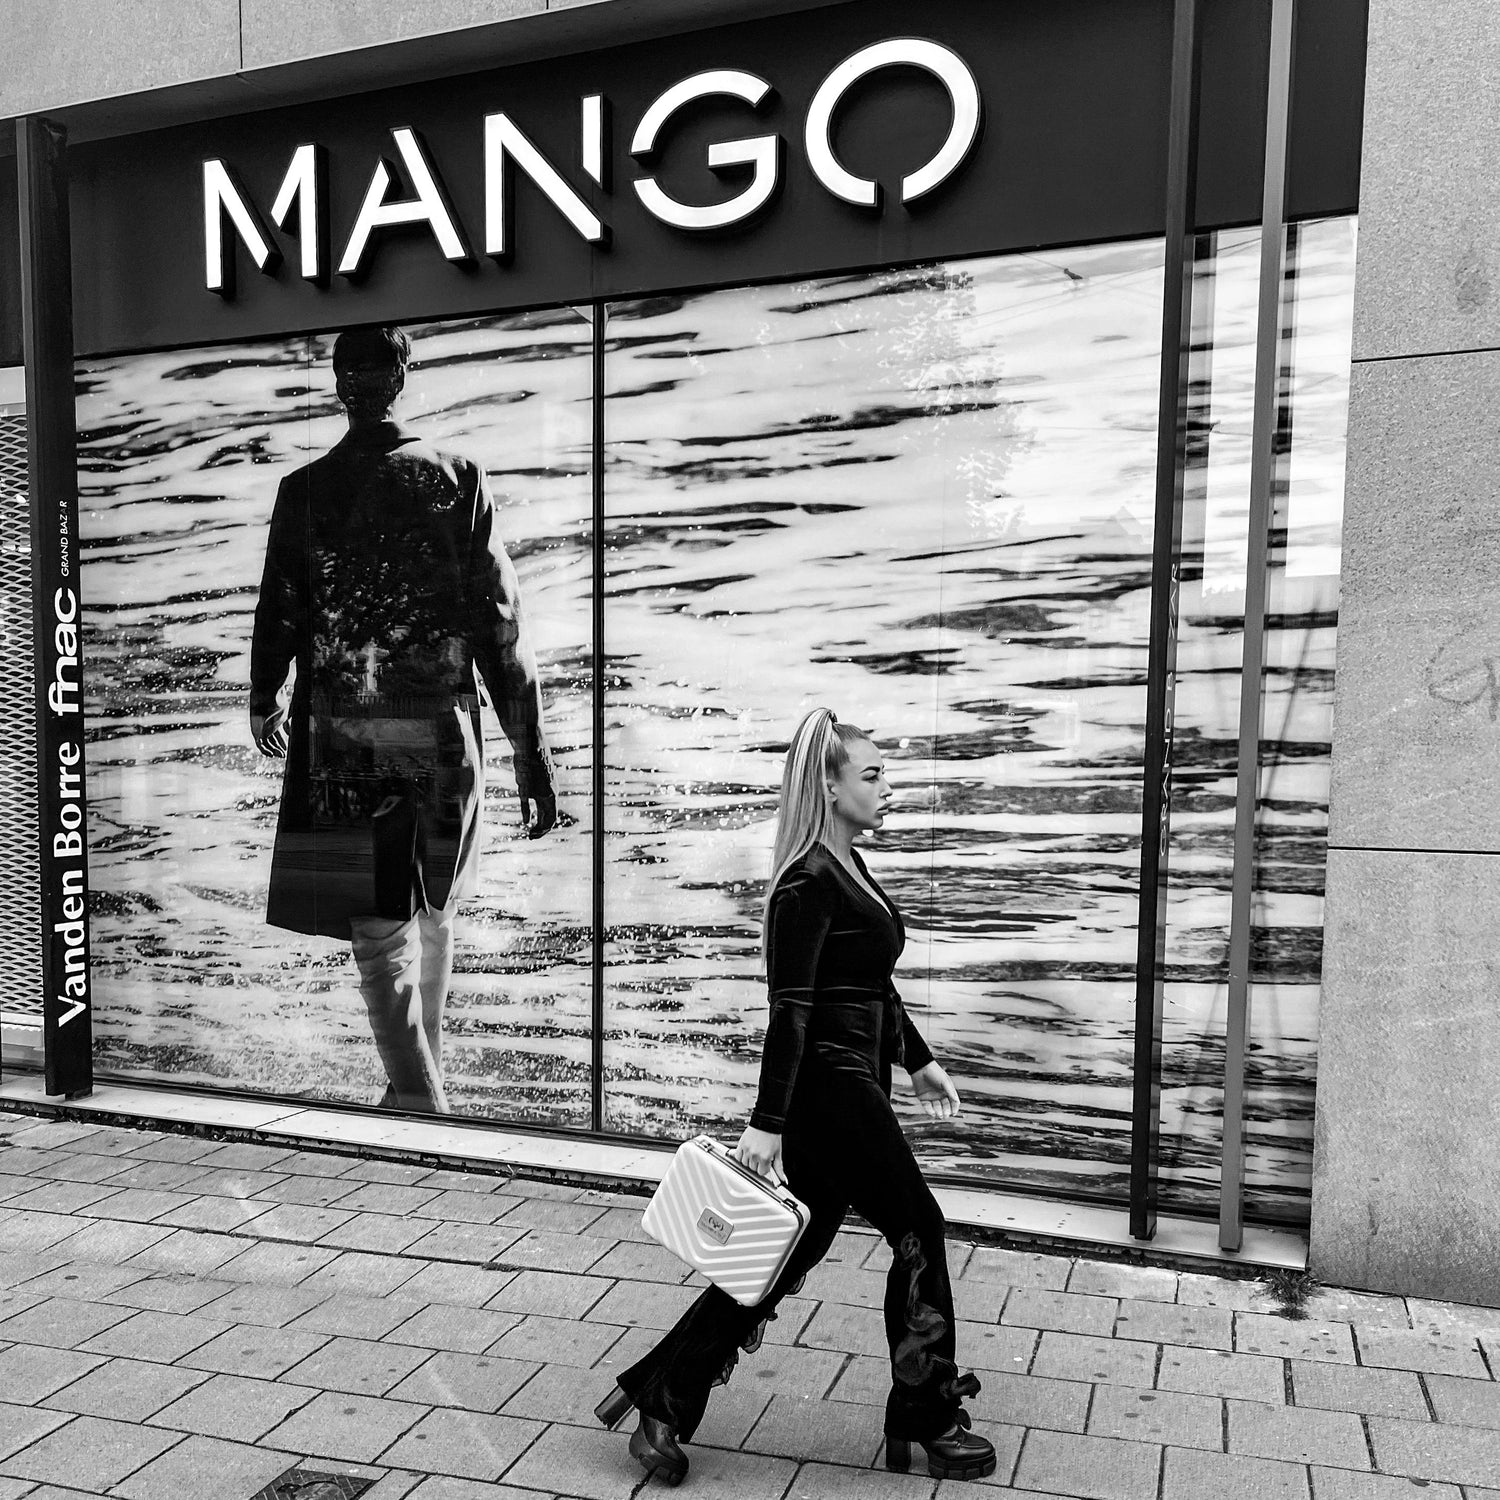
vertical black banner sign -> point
(47, 324)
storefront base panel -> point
(1406, 1183)
(993, 1217)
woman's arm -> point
(798, 921)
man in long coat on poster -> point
(387, 584)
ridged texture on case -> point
(764, 1223)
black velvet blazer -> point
(830, 952)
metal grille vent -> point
(20, 902)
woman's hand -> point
(935, 1091)
(761, 1152)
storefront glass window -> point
(181, 457)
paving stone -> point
(164, 1337)
(553, 1216)
(31, 1372)
(467, 1330)
(1095, 1468)
(1192, 1474)
(840, 1432)
(319, 1192)
(1017, 1268)
(82, 1282)
(538, 1249)
(175, 1148)
(1259, 1333)
(479, 1445)
(90, 1453)
(456, 1285)
(1077, 1356)
(1197, 1290)
(384, 1234)
(465, 1207)
(176, 1175)
(1171, 1323)
(1344, 1484)
(1339, 1304)
(446, 1179)
(642, 1304)
(556, 1341)
(620, 1224)
(1211, 1372)
(401, 1172)
(791, 1370)
(16, 1300)
(731, 1417)
(787, 1324)
(848, 1329)
(833, 1282)
(1298, 1434)
(62, 1322)
(248, 1350)
(266, 1306)
(54, 1197)
(1447, 1317)
(357, 1317)
(277, 1264)
(362, 1274)
(136, 1205)
(11, 1185)
(205, 1468)
(20, 1266)
(825, 1482)
(126, 1390)
(21, 1426)
(479, 1244)
(187, 1250)
(1445, 1353)
(169, 1291)
(637, 1262)
(302, 1222)
(556, 1294)
(447, 1487)
(219, 1215)
(386, 1198)
(1436, 1450)
(978, 1301)
(119, 1140)
(1386, 1393)
(248, 1156)
(359, 1428)
(234, 1408)
(358, 1365)
(486, 1382)
(37, 1231)
(52, 1133)
(534, 1187)
(634, 1345)
(598, 1465)
(1116, 1279)
(1157, 1417)
(1465, 1403)
(1066, 1312)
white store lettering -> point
(229, 214)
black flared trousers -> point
(842, 1148)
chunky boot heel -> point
(613, 1408)
(654, 1446)
(897, 1454)
(960, 1455)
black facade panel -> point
(1072, 149)
(10, 266)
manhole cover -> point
(311, 1484)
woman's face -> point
(860, 794)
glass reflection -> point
(181, 457)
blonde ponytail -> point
(819, 749)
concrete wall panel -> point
(1417, 719)
(275, 32)
(1429, 263)
(68, 51)
(1406, 1173)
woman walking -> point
(823, 1121)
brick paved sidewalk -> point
(187, 1320)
